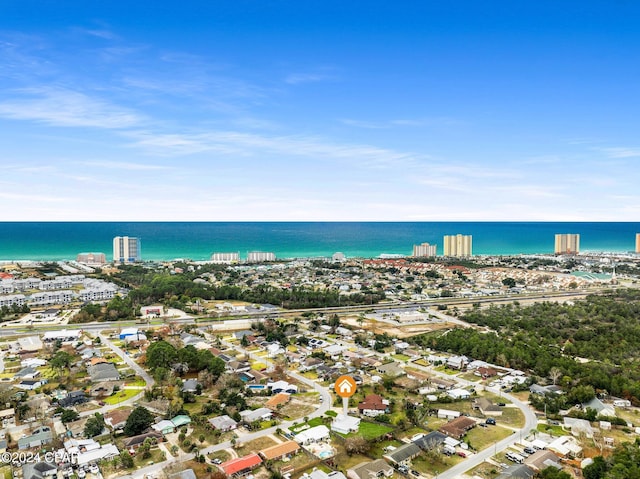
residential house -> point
(240, 466)
(448, 414)
(134, 442)
(279, 399)
(186, 474)
(261, 414)
(370, 470)
(320, 474)
(103, 372)
(486, 407)
(392, 369)
(486, 372)
(402, 455)
(517, 471)
(106, 451)
(345, 424)
(621, 403)
(313, 435)
(578, 426)
(165, 427)
(76, 428)
(42, 435)
(27, 373)
(181, 420)
(235, 366)
(458, 393)
(72, 399)
(430, 441)
(373, 405)
(31, 384)
(285, 449)
(282, 387)
(600, 408)
(544, 390)
(541, 460)
(223, 423)
(458, 427)
(190, 386)
(39, 470)
(457, 362)
(7, 417)
(117, 418)
(565, 446)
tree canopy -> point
(138, 421)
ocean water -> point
(196, 241)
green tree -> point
(139, 420)
(69, 415)
(94, 425)
(61, 362)
(126, 459)
(161, 354)
(596, 470)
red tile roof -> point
(240, 464)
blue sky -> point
(319, 110)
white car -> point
(93, 469)
(80, 473)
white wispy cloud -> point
(621, 152)
(121, 165)
(298, 78)
(249, 144)
(64, 107)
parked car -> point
(462, 454)
(491, 421)
(529, 450)
(415, 473)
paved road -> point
(133, 365)
(155, 469)
(531, 421)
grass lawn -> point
(377, 448)
(346, 462)
(137, 382)
(511, 416)
(482, 437)
(552, 430)
(485, 470)
(156, 456)
(5, 472)
(401, 357)
(222, 455)
(430, 466)
(255, 445)
(370, 430)
(120, 396)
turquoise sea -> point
(196, 241)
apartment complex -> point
(91, 258)
(424, 249)
(260, 256)
(126, 249)
(225, 258)
(568, 243)
(637, 242)
(457, 246)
